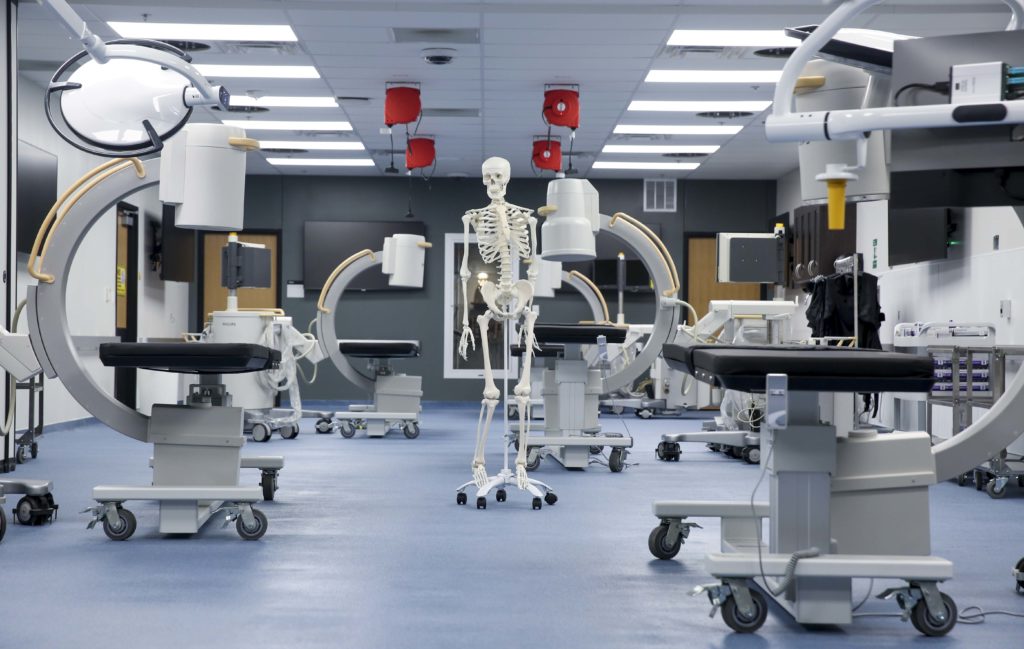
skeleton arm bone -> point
(467, 332)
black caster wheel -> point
(1020, 480)
(993, 490)
(461, 498)
(751, 455)
(980, 479)
(501, 496)
(550, 498)
(537, 504)
(34, 450)
(741, 623)
(1019, 568)
(928, 625)
(596, 450)
(260, 432)
(659, 546)
(291, 431)
(3, 528)
(25, 513)
(533, 462)
(269, 484)
(617, 460)
(347, 430)
(19, 455)
(123, 529)
(411, 430)
(481, 502)
(324, 426)
(254, 532)
(715, 448)
(961, 479)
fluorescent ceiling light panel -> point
(204, 32)
(700, 106)
(659, 148)
(257, 71)
(713, 76)
(675, 129)
(321, 162)
(312, 146)
(284, 102)
(732, 38)
(268, 125)
(673, 166)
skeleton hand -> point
(479, 475)
(465, 341)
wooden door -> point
(215, 296)
(702, 285)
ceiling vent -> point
(706, 51)
(273, 150)
(243, 109)
(451, 112)
(724, 114)
(247, 47)
(659, 194)
(679, 155)
(775, 52)
(188, 46)
(441, 36)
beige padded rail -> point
(593, 287)
(656, 241)
(337, 271)
(59, 210)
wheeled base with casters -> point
(1018, 574)
(269, 466)
(183, 510)
(541, 492)
(575, 451)
(741, 444)
(262, 427)
(376, 424)
(36, 505)
(995, 477)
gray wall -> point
(286, 202)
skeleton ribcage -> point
(492, 240)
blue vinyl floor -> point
(367, 549)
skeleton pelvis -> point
(508, 303)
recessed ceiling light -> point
(659, 148)
(258, 71)
(713, 76)
(311, 145)
(268, 125)
(321, 162)
(205, 32)
(675, 129)
(677, 166)
(284, 102)
(731, 38)
(699, 106)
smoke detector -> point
(438, 55)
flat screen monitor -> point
(327, 243)
(606, 275)
(37, 191)
(918, 234)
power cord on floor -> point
(975, 615)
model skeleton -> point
(505, 232)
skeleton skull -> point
(496, 173)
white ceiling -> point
(605, 46)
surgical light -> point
(573, 219)
(204, 32)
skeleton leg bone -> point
(522, 392)
(490, 402)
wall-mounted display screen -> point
(37, 191)
(327, 243)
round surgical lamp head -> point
(124, 107)
(573, 219)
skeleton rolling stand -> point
(504, 232)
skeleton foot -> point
(480, 478)
(522, 480)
